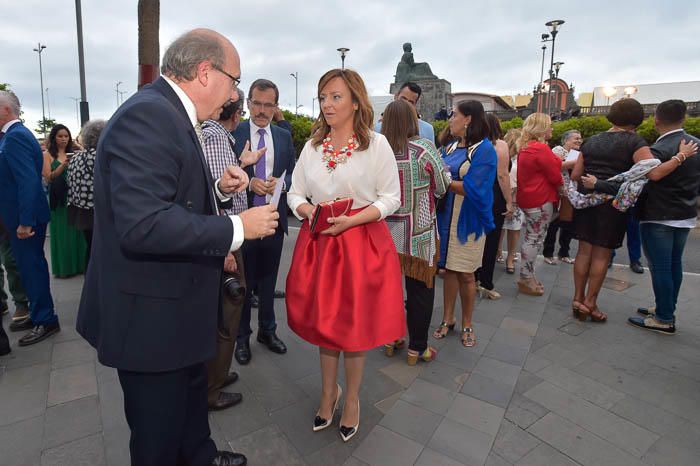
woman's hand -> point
(339, 225)
(588, 181)
(509, 210)
(687, 148)
(307, 211)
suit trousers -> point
(230, 319)
(262, 261)
(34, 272)
(7, 261)
(168, 417)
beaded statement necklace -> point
(333, 157)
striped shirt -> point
(218, 150)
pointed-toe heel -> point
(321, 423)
(346, 433)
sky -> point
(490, 47)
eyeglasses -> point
(235, 81)
(266, 105)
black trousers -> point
(419, 312)
(484, 274)
(262, 261)
(566, 233)
(167, 415)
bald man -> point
(153, 288)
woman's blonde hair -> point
(363, 117)
(511, 138)
(534, 129)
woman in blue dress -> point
(466, 215)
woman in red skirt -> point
(344, 290)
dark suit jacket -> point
(152, 291)
(22, 198)
(285, 159)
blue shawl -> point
(476, 214)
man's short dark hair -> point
(230, 108)
(263, 85)
(626, 112)
(413, 87)
(671, 111)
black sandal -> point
(438, 334)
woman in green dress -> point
(68, 248)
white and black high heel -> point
(321, 423)
(346, 433)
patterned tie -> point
(260, 169)
(198, 130)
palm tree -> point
(149, 47)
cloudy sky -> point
(490, 47)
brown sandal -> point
(580, 311)
(468, 338)
(391, 348)
(525, 288)
(442, 331)
(598, 316)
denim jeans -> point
(663, 247)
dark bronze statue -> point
(409, 70)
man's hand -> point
(259, 222)
(249, 157)
(589, 181)
(258, 186)
(271, 183)
(233, 180)
(24, 232)
(230, 263)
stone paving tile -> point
(385, 405)
(503, 352)
(411, 421)
(524, 412)
(477, 414)
(497, 370)
(71, 383)
(545, 455)
(88, 451)
(401, 372)
(38, 354)
(272, 389)
(512, 337)
(582, 386)
(115, 431)
(526, 381)
(429, 396)
(443, 374)
(23, 393)
(377, 386)
(560, 355)
(71, 421)
(495, 460)
(244, 418)
(666, 452)
(383, 447)
(71, 353)
(461, 443)
(512, 442)
(267, 446)
(616, 430)
(454, 354)
(352, 461)
(579, 444)
(430, 457)
(488, 389)
(16, 443)
(519, 326)
(535, 363)
(296, 421)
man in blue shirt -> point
(410, 92)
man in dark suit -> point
(25, 212)
(262, 258)
(152, 292)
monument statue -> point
(409, 70)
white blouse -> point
(370, 177)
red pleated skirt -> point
(344, 292)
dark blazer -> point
(22, 198)
(152, 291)
(285, 159)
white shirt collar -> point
(669, 132)
(8, 124)
(254, 128)
(186, 101)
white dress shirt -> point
(238, 233)
(7, 125)
(269, 153)
(370, 177)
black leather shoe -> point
(4, 342)
(279, 294)
(21, 325)
(226, 458)
(273, 343)
(636, 267)
(225, 400)
(231, 378)
(242, 353)
(39, 333)
(254, 301)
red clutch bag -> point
(329, 209)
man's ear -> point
(203, 70)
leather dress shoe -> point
(273, 343)
(226, 458)
(225, 400)
(636, 267)
(254, 301)
(231, 378)
(21, 313)
(4, 309)
(39, 333)
(21, 325)
(242, 353)
(279, 294)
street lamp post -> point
(48, 102)
(117, 90)
(540, 85)
(343, 51)
(77, 112)
(84, 106)
(121, 97)
(554, 30)
(557, 67)
(40, 48)
(296, 91)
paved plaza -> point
(538, 389)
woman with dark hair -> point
(68, 247)
(601, 229)
(423, 178)
(502, 209)
(467, 216)
(344, 290)
(80, 181)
